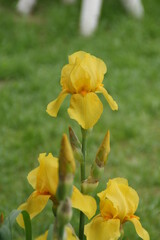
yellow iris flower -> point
(118, 204)
(82, 78)
(44, 179)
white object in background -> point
(26, 6)
(68, 1)
(134, 7)
(89, 18)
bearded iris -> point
(118, 204)
(44, 179)
(82, 78)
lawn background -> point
(33, 51)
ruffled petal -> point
(142, 233)
(100, 229)
(95, 68)
(80, 79)
(108, 97)
(77, 57)
(65, 78)
(86, 110)
(54, 106)
(47, 174)
(84, 203)
(34, 205)
(124, 198)
(32, 177)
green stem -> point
(82, 216)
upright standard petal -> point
(47, 174)
(84, 203)
(32, 177)
(86, 110)
(142, 233)
(54, 106)
(80, 80)
(108, 97)
(65, 78)
(100, 229)
(124, 198)
(95, 68)
(77, 57)
(34, 205)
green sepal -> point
(89, 186)
(96, 171)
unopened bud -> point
(65, 187)
(103, 151)
(96, 171)
(76, 145)
(66, 158)
(64, 212)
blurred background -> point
(33, 50)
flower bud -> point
(65, 187)
(103, 151)
(76, 145)
(66, 158)
(96, 171)
(64, 212)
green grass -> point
(32, 52)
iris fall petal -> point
(142, 233)
(84, 203)
(34, 205)
(98, 228)
(86, 110)
(108, 97)
(54, 106)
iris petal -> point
(142, 233)
(100, 229)
(76, 57)
(86, 110)
(54, 106)
(47, 174)
(34, 205)
(32, 177)
(84, 203)
(108, 97)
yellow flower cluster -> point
(83, 78)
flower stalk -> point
(82, 216)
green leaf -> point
(50, 233)
(6, 227)
(28, 226)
